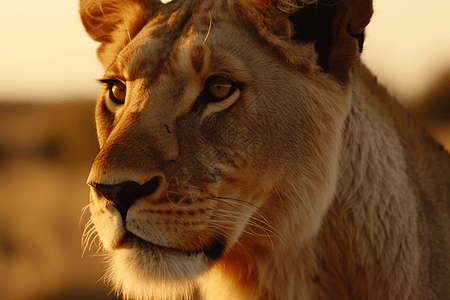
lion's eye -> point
(116, 90)
(219, 88)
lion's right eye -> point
(219, 88)
(117, 91)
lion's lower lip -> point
(213, 251)
(130, 239)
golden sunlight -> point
(46, 150)
(45, 54)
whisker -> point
(244, 222)
(95, 239)
(252, 222)
(218, 230)
(252, 233)
(209, 28)
(90, 238)
(243, 203)
(103, 257)
(86, 232)
(238, 213)
(279, 196)
(83, 211)
(263, 220)
(269, 233)
(203, 242)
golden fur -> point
(308, 181)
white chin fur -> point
(154, 275)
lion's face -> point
(211, 142)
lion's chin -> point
(142, 270)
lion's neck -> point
(367, 240)
(375, 205)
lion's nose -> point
(124, 194)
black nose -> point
(124, 194)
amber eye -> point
(219, 88)
(117, 92)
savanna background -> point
(48, 87)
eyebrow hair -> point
(113, 68)
(209, 28)
(116, 68)
(113, 72)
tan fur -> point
(308, 182)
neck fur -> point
(367, 239)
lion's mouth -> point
(130, 240)
(127, 239)
(213, 251)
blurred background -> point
(48, 72)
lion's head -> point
(220, 125)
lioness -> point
(247, 153)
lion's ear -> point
(114, 23)
(336, 27)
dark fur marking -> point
(168, 128)
(215, 250)
(313, 24)
(197, 56)
(360, 38)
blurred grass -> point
(45, 156)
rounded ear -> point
(101, 17)
(114, 23)
(357, 15)
(335, 27)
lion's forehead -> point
(167, 42)
(164, 74)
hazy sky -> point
(45, 53)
